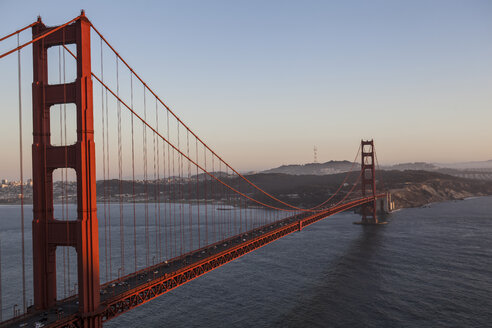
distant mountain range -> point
(468, 165)
(411, 166)
(478, 165)
(331, 167)
(472, 170)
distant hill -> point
(477, 165)
(331, 167)
(409, 188)
(470, 170)
(412, 166)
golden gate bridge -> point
(170, 208)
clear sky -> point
(265, 81)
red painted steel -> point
(38, 38)
(368, 181)
(147, 291)
(48, 232)
(18, 31)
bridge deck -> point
(128, 292)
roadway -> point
(162, 277)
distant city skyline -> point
(265, 82)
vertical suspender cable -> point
(109, 188)
(133, 181)
(175, 223)
(24, 307)
(189, 192)
(105, 187)
(166, 204)
(120, 172)
(169, 191)
(197, 195)
(158, 182)
(205, 193)
(180, 194)
(240, 207)
(232, 226)
(228, 203)
(213, 202)
(234, 205)
(221, 203)
(147, 255)
(379, 171)
(247, 219)
(219, 213)
(155, 192)
(247, 225)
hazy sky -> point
(265, 81)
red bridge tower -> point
(49, 232)
(368, 182)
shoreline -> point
(413, 205)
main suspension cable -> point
(19, 31)
(343, 182)
(378, 170)
(184, 155)
(204, 144)
(186, 127)
(39, 37)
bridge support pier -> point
(49, 232)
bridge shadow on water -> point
(346, 294)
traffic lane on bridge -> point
(166, 269)
(67, 309)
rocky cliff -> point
(437, 190)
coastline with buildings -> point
(408, 188)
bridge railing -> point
(162, 192)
